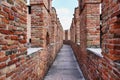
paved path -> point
(65, 66)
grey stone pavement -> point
(65, 67)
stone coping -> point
(96, 51)
(33, 50)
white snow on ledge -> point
(97, 51)
(33, 50)
(78, 43)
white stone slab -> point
(33, 50)
(97, 51)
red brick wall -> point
(77, 25)
(40, 24)
(66, 35)
(110, 29)
(93, 24)
(15, 63)
(93, 66)
(56, 31)
(13, 24)
(83, 30)
(72, 31)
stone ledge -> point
(33, 50)
(96, 51)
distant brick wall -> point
(66, 35)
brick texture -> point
(46, 32)
(93, 66)
(13, 17)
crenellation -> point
(32, 35)
(94, 31)
(20, 30)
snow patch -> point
(33, 50)
(97, 51)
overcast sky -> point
(65, 10)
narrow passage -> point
(65, 66)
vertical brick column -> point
(13, 28)
(72, 30)
(77, 29)
(111, 29)
(93, 23)
(40, 22)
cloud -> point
(65, 16)
(63, 10)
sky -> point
(65, 11)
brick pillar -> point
(90, 23)
(93, 22)
(40, 22)
(111, 29)
(89, 14)
(72, 31)
(77, 30)
(13, 28)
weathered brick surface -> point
(12, 21)
(72, 30)
(110, 29)
(46, 31)
(77, 25)
(93, 66)
(66, 35)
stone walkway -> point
(65, 66)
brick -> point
(14, 34)
(5, 20)
(6, 9)
(5, 48)
(6, 32)
(2, 54)
(12, 62)
(2, 59)
(11, 17)
(115, 41)
(3, 14)
(13, 56)
(116, 26)
(2, 26)
(2, 77)
(2, 42)
(117, 52)
(22, 41)
(13, 47)
(14, 38)
(2, 65)
(0, 7)
(14, 9)
(12, 28)
(18, 32)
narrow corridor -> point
(65, 67)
